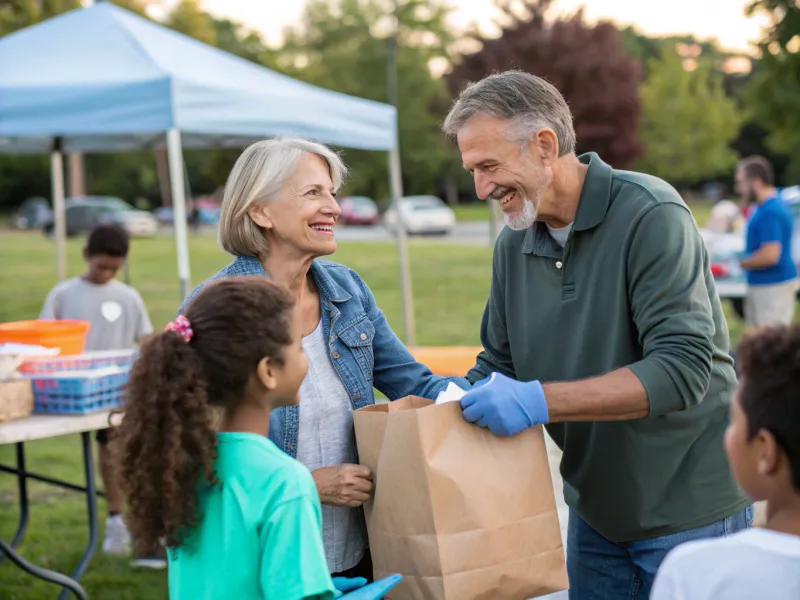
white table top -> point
(37, 427)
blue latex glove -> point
(505, 406)
(481, 383)
(346, 584)
(373, 591)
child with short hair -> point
(763, 446)
(240, 518)
(119, 321)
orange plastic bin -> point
(69, 336)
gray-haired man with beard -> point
(603, 324)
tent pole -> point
(175, 159)
(396, 182)
(59, 208)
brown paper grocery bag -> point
(460, 513)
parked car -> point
(359, 210)
(422, 214)
(33, 213)
(725, 247)
(207, 213)
(84, 213)
(163, 214)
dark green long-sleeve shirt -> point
(631, 287)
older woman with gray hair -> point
(278, 215)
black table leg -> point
(22, 483)
(68, 584)
(91, 506)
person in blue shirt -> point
(768, 263)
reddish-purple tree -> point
(587, 63)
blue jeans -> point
(603, 570)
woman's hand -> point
(343, 485)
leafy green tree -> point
(774, 89)
(136, 6)
(232, 37)
(188, 18)
(687, 122)
(343, 44)
(587, 63)
(18, 14)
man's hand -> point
(344, 485)
(505, 406)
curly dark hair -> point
(167, 434)
(769, 362)
(110, 240)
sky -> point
(721, 19)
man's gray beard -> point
(524, 218)
(530, 208)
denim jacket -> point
(364, 350)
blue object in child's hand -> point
(372, 591)
(347, 584)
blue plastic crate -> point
(79, 392)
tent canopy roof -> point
(105, 79)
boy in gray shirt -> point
(119, 321)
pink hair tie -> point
(182, 327)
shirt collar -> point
(596, 193)
(592, 208)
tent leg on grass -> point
(59, 208)
(396, 187)
(175, 158)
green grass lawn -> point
(478, 211)
(450, 288)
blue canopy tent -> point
(102, 79)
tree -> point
(588, 64)
(135, 6)
(774, 89)
(189, 19)
(18, 14)
(232, 37)
(688, 122)
(342, 45)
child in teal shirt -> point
(240, 518)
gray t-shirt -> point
(115, 310)
(560, 234)
(327, 439)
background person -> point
(768, 263)
(119, 321)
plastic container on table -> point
(79, 392)
(69, 336)
(79, 362)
